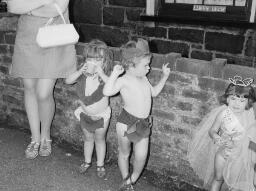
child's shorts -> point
(137, 128)
(87, 122)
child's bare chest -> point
(91, 85)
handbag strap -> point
(60, 13)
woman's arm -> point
(49, 10)
(25, 6)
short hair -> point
(99, 49)
(246, 91)
(134, 50)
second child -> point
(133, 124)
(94, 111)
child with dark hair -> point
(221, 151)
(94, 111)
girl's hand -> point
(83, 69)
(99, 70)
(118, 69)
(166, 70)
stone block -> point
(8, 23)
(85, 11)
(111, 36)
(250, 47)
(184, 106)
(158, 32)
(224, 42)
(171, 58)
(10, 37)
(193, 66)
(133, 14)
(212, 84)
(157, 60)
(202, 55)
(128, 3)
(163, 115)
(180, 78)
(236, 59)
(216, 67)
(165, 47)
(2, 41)
(113, 16)
(189, 35)
(4, 49)
(199, 95)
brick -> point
(86, 11)
(200, 95)
(246, 72)
(158, 32)
(237, 60)
(224, 42)
(80, 48)
(2, 41)
(180, 78)
(250, 47)
(184, 106)
(193, 66)
(12, 82)
(190, 35)
(112, 37)
(10, 38)
(167, 91)
(133, 14)
(113, 16)
(216, 67)
(164, 47)
(7, 59)
(158, 60)
(197, 46)
(4, 49)
(4, 70)
(217, 85)
(190, 120)
(171, 58)
(163, 115)
(128, 3)
(12, 100)
(201, 55)
(8, 23)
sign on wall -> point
(207, 10)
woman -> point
(39, 68)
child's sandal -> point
(101, 172)
(31, 151)
(126, 186)
(45, 148)
(84, 167)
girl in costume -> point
(94, 111)
(221, 150)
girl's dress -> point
(31, 61)
(238, 170)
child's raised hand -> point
(166, 70)
(118, 69)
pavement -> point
(58, 172)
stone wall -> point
(191, 91)
(116, 21)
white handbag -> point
(56, 35)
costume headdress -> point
(239, 86)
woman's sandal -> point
(101, 172)
(127, 186)
(84, 167)
(45, 148)
(31, 151)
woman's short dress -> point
(31, 61)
